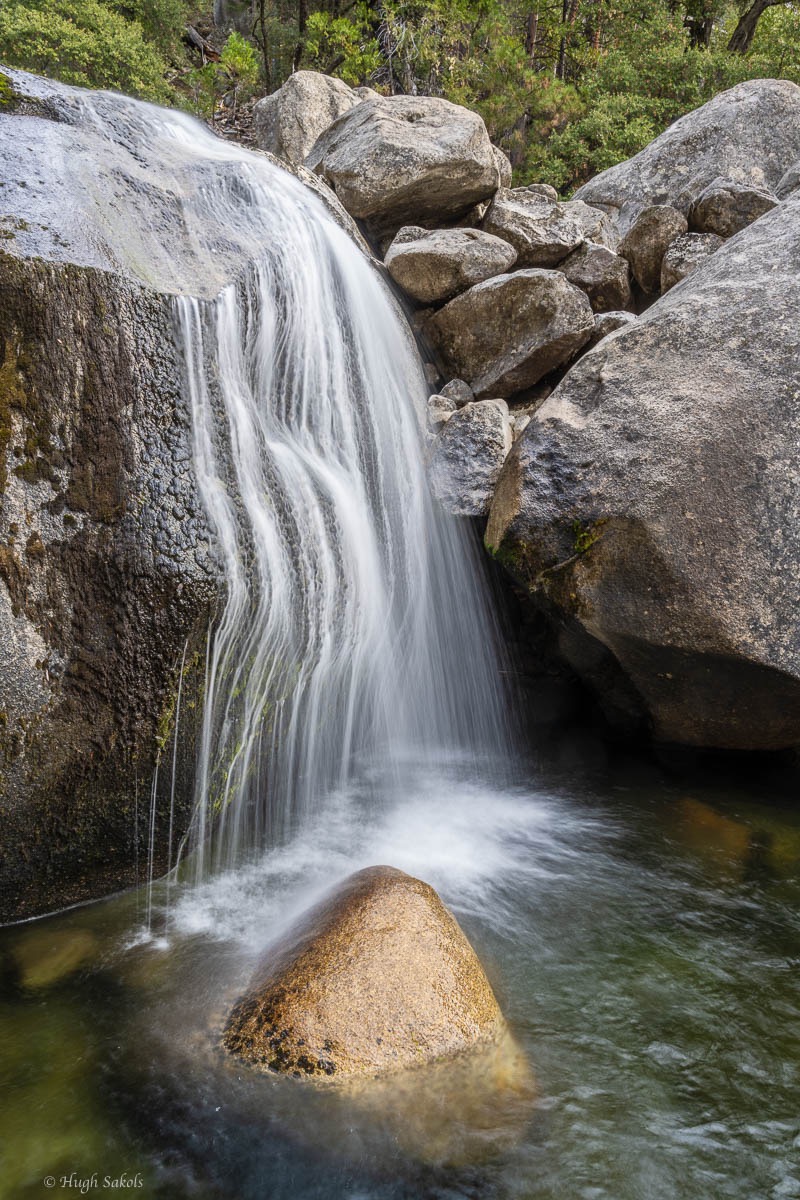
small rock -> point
(541, 231)
(468, 455)
(440, 410)
(459, 391)
(606, 323)
(685, 254)
(726, 208)
(504, 168)
(503, 335)
(646, 242)
(603, 275)
(545, 190)
(288, 122)
(434, 265)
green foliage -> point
(344, 43)
(235, 76)
(162, 21)
(90, 43)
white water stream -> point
(355, 628)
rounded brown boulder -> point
(377, 977)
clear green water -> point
(643, 938)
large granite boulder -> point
(376, 978)
(288, 122)
(468, 455)
(434, 265)
(652, 503)
(401, 160)
(504, 335)
(105, 568)
(541, 230)
(749, 134)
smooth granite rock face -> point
(653, 504)
(505, 334)
(378, 977)
(749, 134)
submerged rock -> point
(45, 956)
(468, 455)
(377, 977)
(652, 504)
(288, 122)
(402, 160)
(505, 334)
(749, 134)
(434, 265)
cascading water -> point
(354, 631)
(354, 626)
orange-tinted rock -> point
(377, 977)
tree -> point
(745, 31)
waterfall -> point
(354, 626)
(354, 631)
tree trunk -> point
(745, 31)
(569, 12)
(302, 19)
(531, 33)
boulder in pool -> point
(375, 978)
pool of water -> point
(642, 936)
